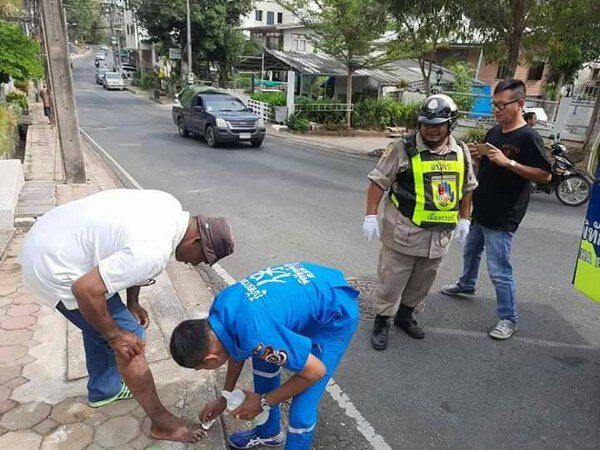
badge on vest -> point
(270, 355)
(444, 191)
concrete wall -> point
(11, 183)
(250, 21)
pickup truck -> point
(218, 116)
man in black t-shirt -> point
(514, 156)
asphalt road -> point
(455, 389)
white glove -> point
(370, 227)
(462, 231)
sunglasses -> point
(501, 106)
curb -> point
(326, 147)
(165, 307)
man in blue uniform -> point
(299, 316)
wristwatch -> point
(512, 163)
(264, 403)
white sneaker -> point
(504, 329)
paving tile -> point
(17, 323)
(25, 416)
(6, 406)
(139, 413)
(4, 393)
(23, 310)
(72, 410)
(96, 419)
(45, 427)
(13, 337)
(142, 441)
(5, 301)
(23, 299)
(8, 372)
(170, 394)
(120, 408)
(16, 382)
(117, 432)
(72, 436)
(7, 289)
(21, 440)
(12, 354)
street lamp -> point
(189, 43)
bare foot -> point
(171, 428)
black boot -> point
(405, 321)
(381, 331)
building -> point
(534, 75)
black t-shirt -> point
(500, 201)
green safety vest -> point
(428, 192)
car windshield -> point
(224, 104)
(113, 76)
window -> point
(258, 15)
(270, 18)
(502, 71)
(535, 71)
(299, 43)
(595, 74)
(279, 17)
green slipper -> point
(123, 394)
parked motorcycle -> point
(571, 185)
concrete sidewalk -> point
(363, 146)
(42, 370)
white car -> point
(100, 56)
(113, 80)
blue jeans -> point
(497, 246)
(304, 408)
(105, 379)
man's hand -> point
(370, 227)
(475, 155)
(139, 313)
(462, 231)
(213, 409)
(250, 408)
(125, 344)
(496, 156)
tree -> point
(463, 81)
(19, 54)
(567, 39)
(346, 30)
(502, 26)
(215, 28)
(83, 17)
(423, 27)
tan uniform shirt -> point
(398, 232)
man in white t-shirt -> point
(78, 256)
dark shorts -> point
(47, 111)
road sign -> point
(587, 269)
(174, 53)
(113, 40)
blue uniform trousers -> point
(303, 410)
(104, 377)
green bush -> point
(271, 98)
(144, 79)
(474, 135)
(18, 98)
(384, 112)
(312, 111)
(298, 123)
(22, 85)
(8, 126)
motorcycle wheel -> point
(574, 190)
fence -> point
(263, 109)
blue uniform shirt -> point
(277, 314)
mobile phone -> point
(483, 149)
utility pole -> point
(112, 32)
(61, 80)
(189, 42)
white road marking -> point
(362, 425)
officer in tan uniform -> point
(428, 177)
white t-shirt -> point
(129, 234)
